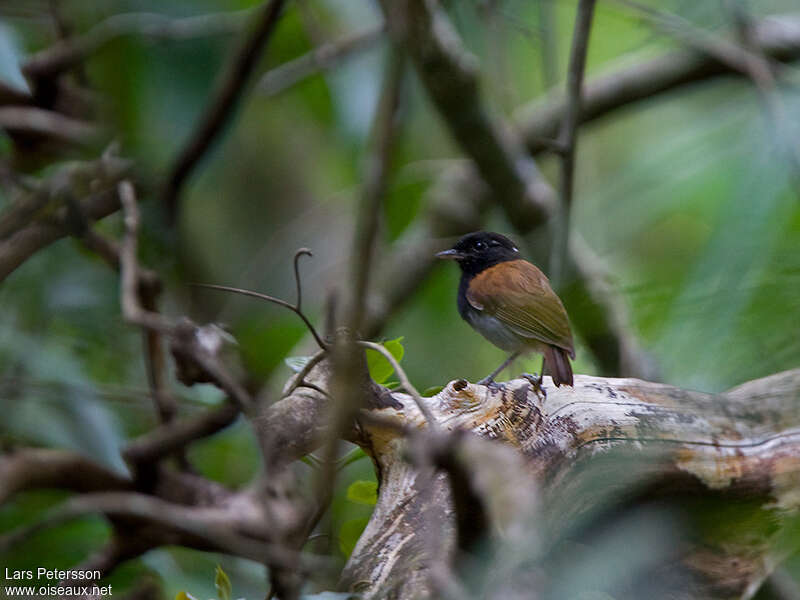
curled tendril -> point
(295, 308)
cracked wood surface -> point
(743, 444)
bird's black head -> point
(480, 250)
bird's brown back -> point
(519, 294)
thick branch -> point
(679, 442)
(450, 77)
(32, 468)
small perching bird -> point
(509, 301)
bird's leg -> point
(489, 379)
(536, 382)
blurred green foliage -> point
(684, 196)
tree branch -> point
(376, 176)
(175, 435)
(25, 231)
(70, 52)
(777, 37)
(47, 123)
(450, 77)
(32, 468)
(220, 107)
(568, 136)
(679, 445)
(219, 528)
(324, 57)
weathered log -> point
(620, 443)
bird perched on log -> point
(509, 301)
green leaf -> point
(296, 363)
(432, 391)
(349, 533)
(379, 367)
(184, 596)
(363, 492)
(223, 584)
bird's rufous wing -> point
(519, 294)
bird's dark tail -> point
(558, 365)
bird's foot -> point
(490, 383)
(536, 382)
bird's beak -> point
(451, 254)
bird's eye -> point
(480, 245)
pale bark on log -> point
(738, 446)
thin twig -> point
(350, 383)
(297, 255)
(129, 286)
(312, 362)
(274, 300)
(324, 57)
(569, 134)
(404, 381)
(375, 185)
(220, 107)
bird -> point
(509, 301)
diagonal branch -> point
(778, 38)
(450, 76)
(404, 382)
(221, 104)
(324, 57)
(378, 165)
